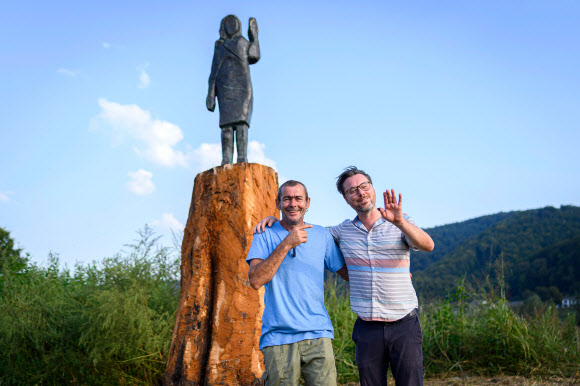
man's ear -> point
(308, 203)
(278, 204)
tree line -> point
(536, 251)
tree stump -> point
(218, 324)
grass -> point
(111, 323)
(338, 307)
(106, 323)
(474, 334)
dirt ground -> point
(504, 380)
(500, 380)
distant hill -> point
(538, 248)
(450, 236)
(557, 266)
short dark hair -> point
(349, 172)
(291, 183)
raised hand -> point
(393, 211)
(268, 221)
(297, 235)
(252, 29)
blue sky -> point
(466, 107)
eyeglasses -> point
(354, 190)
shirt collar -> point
(357, 223)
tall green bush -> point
(481, 334)
(473, 332)
(111, 323)
(105, 323)
(338, 307)
(39, 326)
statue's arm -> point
(215, 64)
(254, 49)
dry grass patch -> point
(499, 380)
(504, 380)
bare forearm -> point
(261, 273)
(418, 238)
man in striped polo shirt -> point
(376, 247)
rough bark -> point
(218, 323)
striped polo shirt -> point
(378, 269)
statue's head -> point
(230, 27)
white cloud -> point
(106, 45)
(154, 139)
(140, 182)
(144, 79)
(256, 154)
(67, 72)
(209, 155)
(169, 222)
(206, 156)
(4, 197)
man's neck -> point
(289, 227)
(369, 219)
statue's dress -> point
(230, 72)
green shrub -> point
(486, 336)
(338, 307)
(107, 323)
(475, 333)
(111, 323)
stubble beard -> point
(367, 209)
(362, 209)
(291, 222)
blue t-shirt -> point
(294, 298)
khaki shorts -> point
(313, 358)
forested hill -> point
(450, 236)
(538, 248)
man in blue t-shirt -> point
(289, 260)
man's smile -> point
(364, 199)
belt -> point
(414, 312)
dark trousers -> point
(399, 344)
